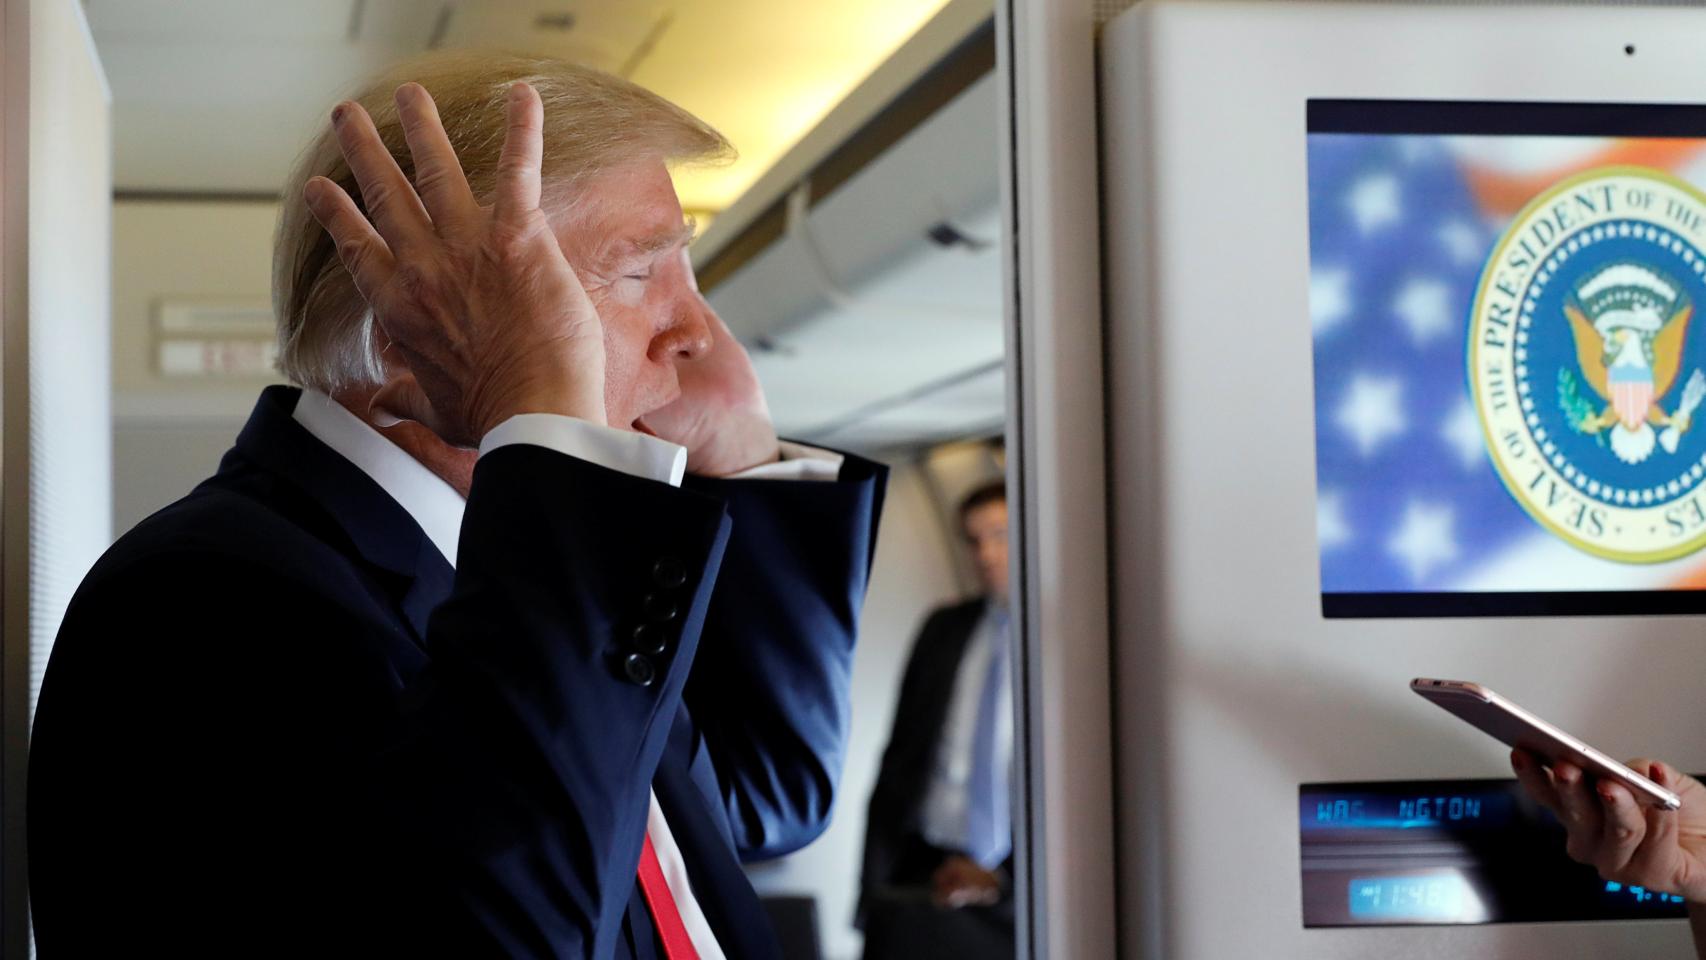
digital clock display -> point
(1439, 898)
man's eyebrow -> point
(663, 239)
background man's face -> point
(986, 536)
(627, 240)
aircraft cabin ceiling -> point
(217, 96)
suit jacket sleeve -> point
(223, 760)
(769, 692)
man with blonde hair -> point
(450, 658)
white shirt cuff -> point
(799, 462)
(636, 454)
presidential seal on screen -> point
(1586, 364)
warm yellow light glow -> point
(800, 60)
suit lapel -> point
(371, 524)
(945, 674)
(434, 577)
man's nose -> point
(688, 336)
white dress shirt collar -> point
(433, 504)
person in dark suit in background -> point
(449, 658)
(940, 820)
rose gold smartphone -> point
(1506, 721)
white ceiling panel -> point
(241, 74)
(968, 408)
(254, 107)
(605, 35)
(403, 24)
(219, 21)
(763, 71)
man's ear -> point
(401, 398)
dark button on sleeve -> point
(660, 608)
(669, 573)
(638, 669)
(650, 638)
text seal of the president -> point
(1586, 362)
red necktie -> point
(677, 945)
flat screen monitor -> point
(1509, 362)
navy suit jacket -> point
(276, 719)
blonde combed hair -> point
(593, 121)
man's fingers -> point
(1535, 779)
(518, 164)
(438, 173)
(391, 201)
(362, 250)
(1625, 825)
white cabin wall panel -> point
(1240, 689)
(70, 265)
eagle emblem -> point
(1585, 370)
(1629, 321)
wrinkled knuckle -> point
(377, 195)
(414, 120)
(353, 251)
(428, 178)
(523, 125)
(432, 179)
(512, 167)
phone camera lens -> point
(1629, 49)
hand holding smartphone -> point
(1511, 724)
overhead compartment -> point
(869, 290)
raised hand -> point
(478, 301)
(1627, 841)
(721, 417)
